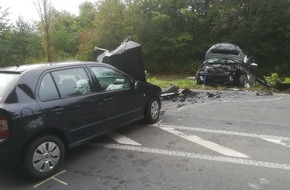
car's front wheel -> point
(152, 110)
(243, 81)
(43, 156)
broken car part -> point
(226, 64)
(222, 67)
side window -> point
(72, 82)
(47, 89)
(110, 79)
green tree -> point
(165, 34)
(258, 27)
(87, 11)
(4, 37)
(64, 36)
(25, 44)
(45, 11)
(22, 44)
(86, 37)
(109, 24)
(4, 24)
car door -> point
(122, 102)
(68, 101)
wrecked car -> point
(226, 64)
(46, 108)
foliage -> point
(180, 83)
(64, 37)
(273, 78)
(4, 25)
(174, 34)
(45, 11)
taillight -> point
(4, 132)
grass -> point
(287, 80)
(182, 83)
(190, 83)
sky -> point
(27, 10)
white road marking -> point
(59, 181)
(207, 144)
(241, 161)
(261, 136)
(278, 141)
(52, 177)
(123, 139)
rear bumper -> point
(7, 158)
(9, 155)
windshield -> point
(6, 80)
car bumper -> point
(8, 155)
(216, 78)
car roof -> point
(23, 68)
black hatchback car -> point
(46, 108)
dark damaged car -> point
(226, 64)
(47, 108)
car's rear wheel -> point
(152, 110)
(43, 156)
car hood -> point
(225, 51)
(127, 58)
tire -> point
(243, 81)
(152, 110)
(43, 157)
(198, 81)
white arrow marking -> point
(270, 138)
(123, 139)
(208, 144)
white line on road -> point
(123, 139)
(195, 156)
(52, 177)
(207, 144)
(224, 132)
(278, 141)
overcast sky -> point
(27, 9)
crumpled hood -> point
(127, 58)
(225, 51)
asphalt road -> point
(212, 140)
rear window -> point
(6, 79)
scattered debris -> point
(213, 95)
(264, 94)
(175, 94)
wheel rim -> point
(154, 110)
(46, 157)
